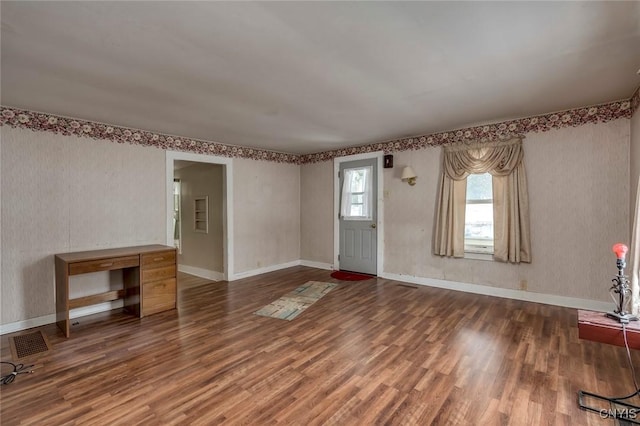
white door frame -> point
(336, 207)
(227, 201)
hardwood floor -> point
(369, 352)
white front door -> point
(358, 216)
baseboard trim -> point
(201, 272)
(272, 268)
(318, 265)
(95, 309)
(547, 299)
(26, 324)
(103, 307)
(50, 319)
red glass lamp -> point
(620, 250)
(620, 290)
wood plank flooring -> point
(369, 352)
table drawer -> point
(156, 260)
(103, 265)
(158, 296)
(158, 273)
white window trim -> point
(478, 256)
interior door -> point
(358, 216)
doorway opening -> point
(199, 192)
(358, 219)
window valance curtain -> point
(503, 160)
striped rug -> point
(295, 302)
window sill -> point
(478, 256)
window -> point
(478, 223)
(356, 193)
(501, 232)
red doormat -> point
(350, 276)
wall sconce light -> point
(409, 176)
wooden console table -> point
(149, 277)
(597, 327)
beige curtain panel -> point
(634, 257)
(503, 159)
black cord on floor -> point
(633, 370)
(623, 411)
(17, 369)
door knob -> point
(373, 225)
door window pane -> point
(356, 194)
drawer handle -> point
(104, 265)
(158, 259)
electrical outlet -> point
(523, 285)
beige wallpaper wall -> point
(316, 212)
(578, 188)
(202, 250)
(62, 194)
(266, 214)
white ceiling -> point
(304, 77)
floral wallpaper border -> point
(42, 122)
(491, 132)
(37, 121)
(635, 101)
